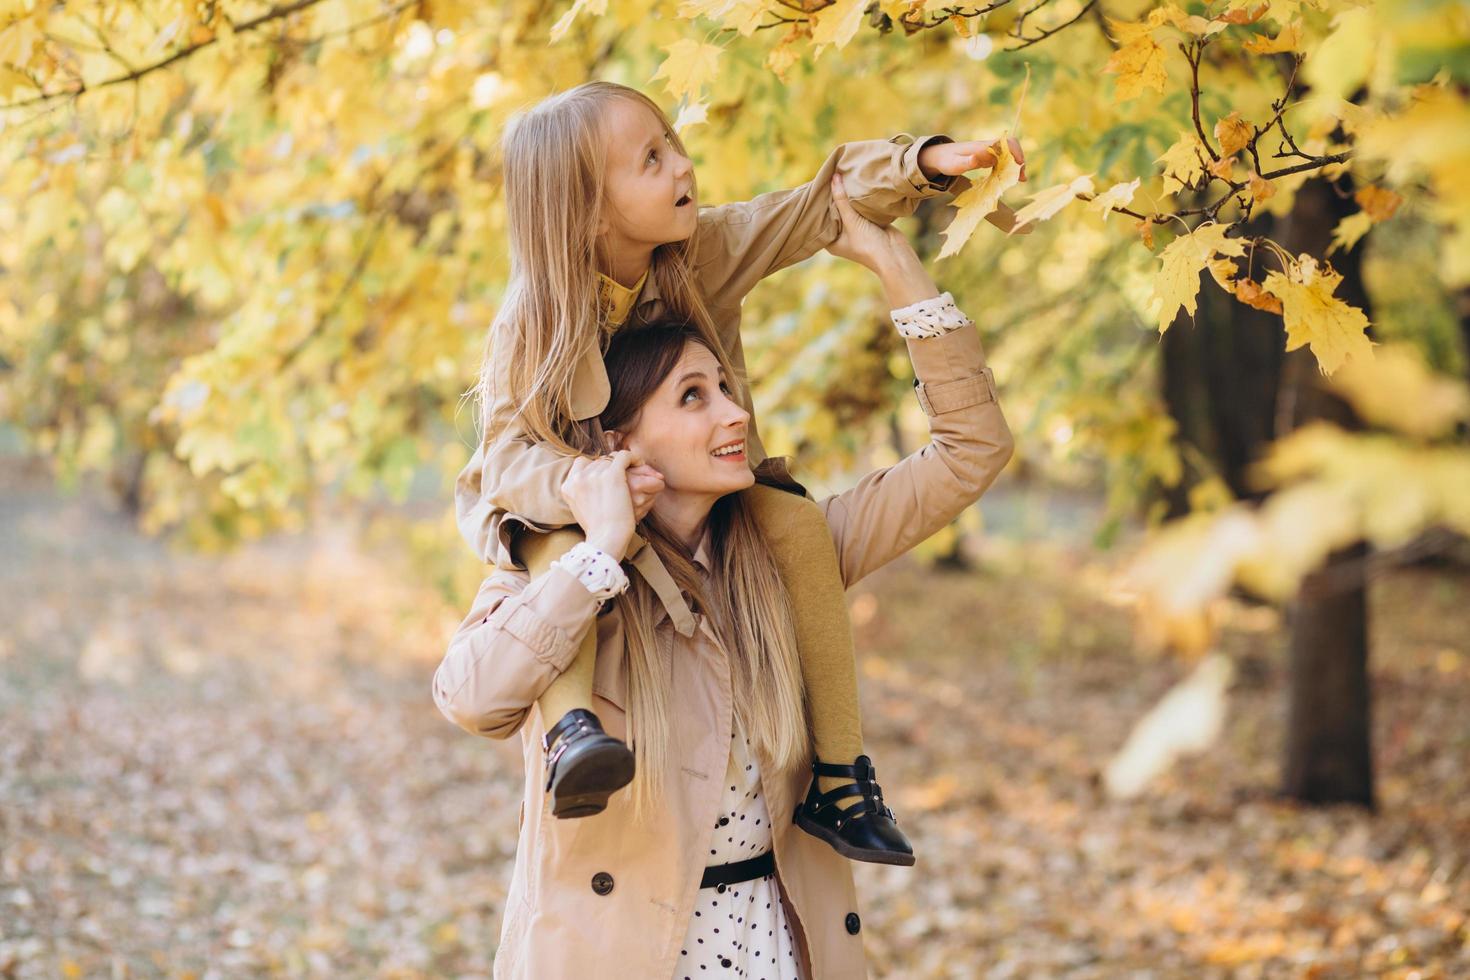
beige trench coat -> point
(512, 480)
(603, 896)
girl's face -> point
(650, 194)
(692, 431)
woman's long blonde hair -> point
(555, 171)
(744, 597)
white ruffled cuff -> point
(598, 571)
(931, 317)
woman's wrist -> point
(904, 278)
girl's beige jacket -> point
(604, 896)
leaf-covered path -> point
(233, 768)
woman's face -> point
(646, 180)
(693, 431)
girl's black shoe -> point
(584, 765)
(865, 830)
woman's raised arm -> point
(894, 508)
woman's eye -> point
(725, 388)
(691, 391)
(652, 155)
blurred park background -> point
(1187, 694)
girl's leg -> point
(585, 765)
(806, 560)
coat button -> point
(853, 923)
(602, 883)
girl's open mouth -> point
(682, 201)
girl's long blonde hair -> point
(555, 171)
(743, 596)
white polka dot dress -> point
(739, 930)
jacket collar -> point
(618, 299)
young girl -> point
(697, 872)
(605, 233)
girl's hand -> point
(952, 159)
(644, 485)
(864, 242)
(597, 492)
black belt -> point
(729, 874)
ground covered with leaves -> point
(222, 768)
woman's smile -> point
(731, 451)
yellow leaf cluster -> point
(690, 65)
(1182, 261)
(1398, 390)
(1335, 331)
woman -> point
(699, 871)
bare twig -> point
(274, 14)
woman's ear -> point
(614, 440)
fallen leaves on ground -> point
(250, 777)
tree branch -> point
(274, 14)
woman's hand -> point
(597, 492)
(884, 250)
(864, 242)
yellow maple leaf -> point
(781, 58)
(1398, 390)
(1183, 162)
(1289, 39)
(1349, 230)
(839, 23)
(981, 199)
(1233, 133)
(1223, 271)
(741, 15)
(1379, 202)
(1045, 203)
(1139, 65)
(1334, 330)
(1182, 260)
(1117, 196)
(564, 22)
(692, 114)
(689, 66)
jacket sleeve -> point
(737, 245)
(894, 508)
(511, 479)
(520, 634)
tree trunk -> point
(1328, 754)
(1329, 757)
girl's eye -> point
(652, 155)
(687, 393)
(725, 388)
